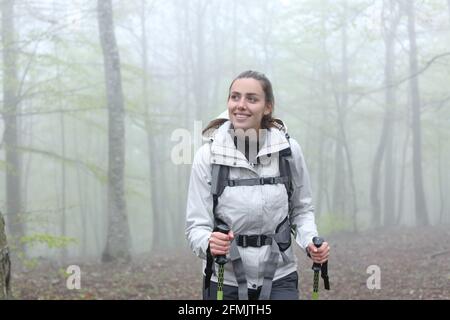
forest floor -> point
(414, 264)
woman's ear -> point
(268, 109)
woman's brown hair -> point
(267, 121)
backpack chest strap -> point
(256, 181)
(256, 240)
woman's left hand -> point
(319, 255)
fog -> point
(87, 165)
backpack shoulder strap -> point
(285, 162)
(219, 176)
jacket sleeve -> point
(199, 218)
(303, 209)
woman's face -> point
(247, 104)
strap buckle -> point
(244, 241)
(267, 180)
(258, 241)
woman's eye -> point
(252, 99)
(234, 97)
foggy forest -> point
(101, 99)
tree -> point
(10, 111)
(420, 201)
(159, 234)
(118, 235)
(5, 264)
(391, 19)
(342, 146)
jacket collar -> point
(225, 152)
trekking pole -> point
(221, 260)
(317, 241)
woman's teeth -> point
(242, 116)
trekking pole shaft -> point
(317, 241)
(221, 261)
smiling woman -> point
(250, 103)
(245, 204)
(247, 104)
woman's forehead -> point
(247, 85)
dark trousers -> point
(285, 288)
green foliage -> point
(50, 240)
(329, 223)
(63, 273)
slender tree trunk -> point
(420, 201)
(339, 181)
(184, 95)
(11, 134)
(5, 264)
(82, 196)
(63, 183)
(234, 39)
(393, 20)
(158, 234)
(201, 85)
(63, 155)
(218, 55)
(322, 183)
(401, 187)
(385, 141)
(441, 180)
(375, 179)
(118, 234)
(339, 190)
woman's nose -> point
(241, 103)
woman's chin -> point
(241, 126)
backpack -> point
(280, 241)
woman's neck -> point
(248, 142)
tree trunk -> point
(234, 39)
(62, 126)
(322, 182)
(158, 234)
(393, 20)
(11, 134)
(5, 264)
(201, 85)
(339, 189)
(420, 201)
(441, 180)
(375, 179)
(118, 235)
(401, 187)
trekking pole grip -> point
(222, 259)
(317, 241)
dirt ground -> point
(414, 264)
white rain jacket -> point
(249, 210)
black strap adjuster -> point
(257, 241)
(267, 180)
(244, 241)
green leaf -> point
(50, 240)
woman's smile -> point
(241, 116)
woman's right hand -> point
(219, 243)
